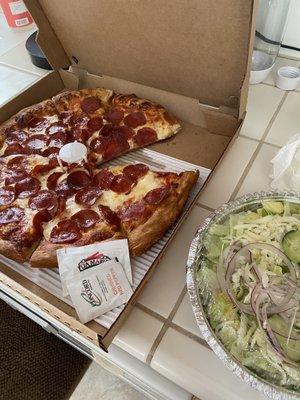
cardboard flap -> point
(197, 48)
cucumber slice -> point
(292, 348)
(291, 245)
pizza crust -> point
(145, 235)
(7, 249)
(45, 254)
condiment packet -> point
(74, 260)
(98, 290)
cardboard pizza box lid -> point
(199, 49)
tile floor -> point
(98, 384)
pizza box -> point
(192, 57)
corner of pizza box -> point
(48, 303)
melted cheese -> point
(145, 184)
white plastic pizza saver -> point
(288, 78)
(73, 152)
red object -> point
(16, 14)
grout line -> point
(273, 145)
(150, 312)
(190, 335)
(172, 324)
(256, 151)
(249, 138)
(156, 342)
(268, 84)
(177, 304)
(166, 325)
(21, 69)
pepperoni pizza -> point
(46, 204)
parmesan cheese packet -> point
(75, 260)
(98, 290)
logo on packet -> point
(92, 261)
(89, 295)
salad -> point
(248, 277)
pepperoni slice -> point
(145, 136)
(27, 187)
(115, 116)
(52, 180)
(116, 145)
(41, 169)
(66, 231)
(121, 184)
(57, 139)
(11, 214)
(135, 119)
(135, 171)
(95, 124)
(7, 195)
(80, 134)
(61, 205)
(85, 218)
(109, 216)
(39, 219)
(19, 161)
(78, 179)
(169, 118)
(43, 200)
(37, 124)
(16, 136)
(15, 175)
(156, 196)
(98, 144)
(88, 196)
(134, 211)
(51, 152)
(15, 148)
(56, 127)
(63, 189)
(79, 120)
(126, 131)
(90, 104)
(108, 129)
(103, 179)
(36, 142)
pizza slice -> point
(82, 222)
(147, 202)
(129, 123)
(130, 202)
(33, 190)
(37, 129)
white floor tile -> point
(13, 81)
(168, 280)
(138, 334)
(227, 173)
(185, 318)
(198, 370)
(287, 122)
(19, 57)
(262, 103)
(280, 62)
(258, 176)
(98, 384)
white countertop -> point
(161, 330)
